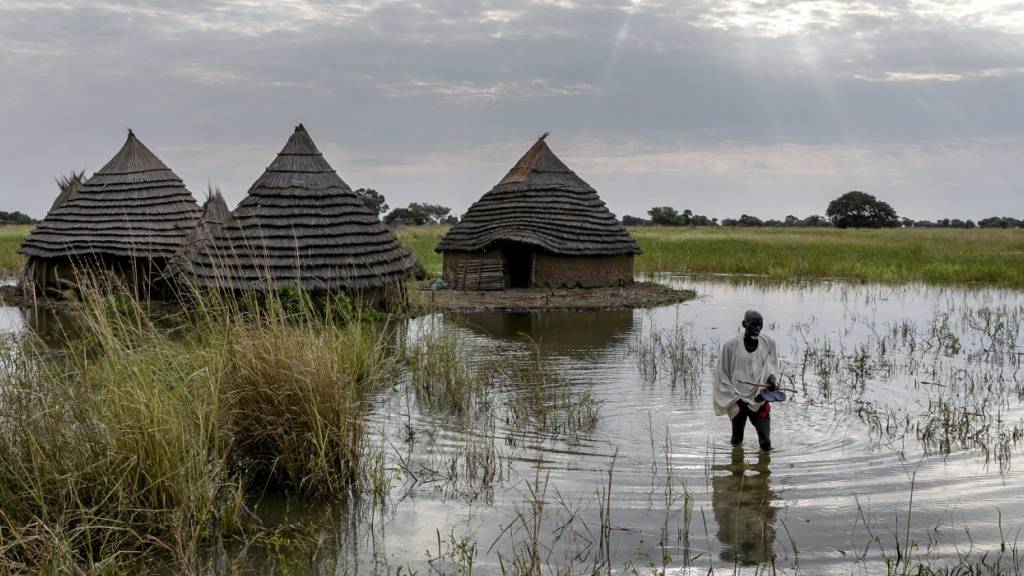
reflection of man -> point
(741, 502)
(746, 367)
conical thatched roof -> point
(135, 206)
(300, 223)
(215, 215)
(543, 203)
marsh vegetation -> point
(276, 436)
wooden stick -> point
(767, 386)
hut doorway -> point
(519, 264)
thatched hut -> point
(215, 215)
(124, 222)
(301, 225)
(540, 226)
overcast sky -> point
(768, 107)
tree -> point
(16, 218)
(665, 216)
(373, 200)
(815, 221)
(861, 210)
(418, 214)
(997, 222)
(746, 220)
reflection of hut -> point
(541, 226)
(215, 214)
(127, 219)
(301, 225)
(564, 333)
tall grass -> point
(143, 441)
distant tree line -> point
(16, 218)
(415, 214)
(854, 209)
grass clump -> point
(442, 370)
(140, 443)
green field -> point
(422, 240)
(10, 239)
(942, 256)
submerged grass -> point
(142, 442)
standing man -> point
(746, 367)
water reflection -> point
(10, 320)
(742, 503)
(568, 334)
(54, 327)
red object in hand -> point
(765, 410)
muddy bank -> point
(11, 295)
(421, 296)
(639, 295)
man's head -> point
(752, 324)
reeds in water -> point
(143, 441)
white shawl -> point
(735, 366)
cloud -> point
(476, 92)
(725, 95)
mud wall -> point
(557, 271)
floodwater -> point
(905, 432)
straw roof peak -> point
(300, 143)
(215, 209)
(538, 159)
(540, 201)
(68, 186)
(133, 157)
